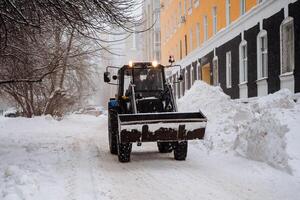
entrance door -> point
(206, 73)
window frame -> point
(289, 21)
(242, 7)
(228, 69)
(185, 7)
(262, 71)
(191, 40)
(228, 12)
(185, 44)
(190, 8)
(205, 27)
(180, 10)
(215, 70)
(215, 20)
(243, 66)
(196, 3)
(198, 34)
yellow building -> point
(247, 47)
(187, 24)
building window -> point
(214, 13)
(198, 34)
(228, 13)
(242, 7)
(262, 55)
(184, 7)
(191, 40)
(215, 71)
(196, 3)
(243, 62)
(180, 49)
(287, 45)
(190, 5)
(179, 11)
(185, 45)
(205, 28)
(228, 69)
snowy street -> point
(42, 158)
(150, 100)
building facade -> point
(248, 47)
(151, 37)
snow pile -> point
(18, 184)
(220, 111)
(249, 129)
(280, 99)
(262, 138)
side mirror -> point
(106, 77)
(114, 77)
(180, 78)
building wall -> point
(173, 31)
(269, 16)
(272, 26)
(250, 36)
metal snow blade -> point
(168, 126)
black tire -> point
(124, 150)
(180, 150)
(113, 132)
(164, 147)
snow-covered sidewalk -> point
(42, 158)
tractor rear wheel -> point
(164, 147)
(113, 131)
(124, 150)
(180, 150)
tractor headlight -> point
(154, 63)
(130, 64)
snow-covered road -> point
(42, 158)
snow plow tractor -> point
(145, 110)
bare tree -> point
(88, 18)
(62, 50)
(45, 47)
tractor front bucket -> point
(168, 126)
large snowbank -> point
(251, 130)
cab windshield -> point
(147, 81)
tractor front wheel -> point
(124, 150)
(164, 147)
(180, 150)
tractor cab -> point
(148, 80)
(148, 84)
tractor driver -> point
(153, 81)
(139, 79)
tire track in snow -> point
(128, 180)
(71, 174)
(79, 180)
